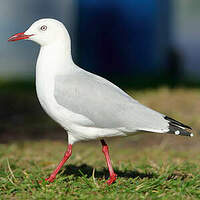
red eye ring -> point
(43, 28)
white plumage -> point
(84, 104)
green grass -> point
(143, 173)
(149, 166)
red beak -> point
(18, 36)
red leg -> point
(68, 153)
(113, 176)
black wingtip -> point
(173, 129)
(178, 128)
(176, 123)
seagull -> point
(87, 106)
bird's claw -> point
(112, 179)
(50, 179)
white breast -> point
(46, 71)
(78, 126)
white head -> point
(44, 32)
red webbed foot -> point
(50, 179)
(112, 179)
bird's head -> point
(44, 32)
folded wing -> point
(105, 104)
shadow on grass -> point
(88, 170)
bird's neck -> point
(57, 54)
(53, 60)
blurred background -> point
(150, 46)
(111, 38)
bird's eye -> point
(43, 28)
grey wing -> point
(105, 104)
